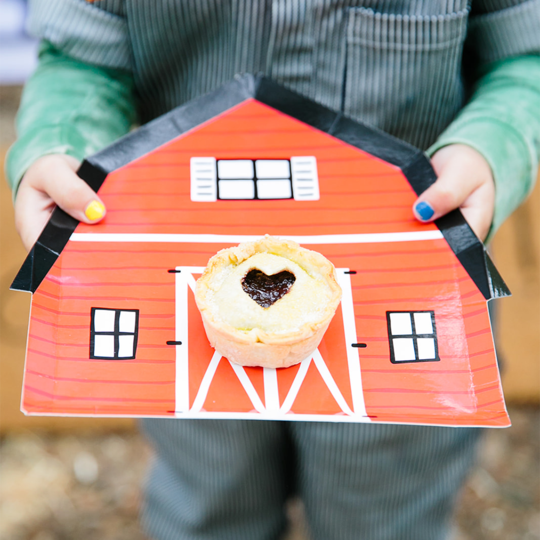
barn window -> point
(254, 179)
(412, 336)
(113, 333)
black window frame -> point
(116, 333)
(254, 179)
(414, 337)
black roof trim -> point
(412, 161)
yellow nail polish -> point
(94, 211)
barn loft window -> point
(113, 333)
(412, 336)
(254, 179)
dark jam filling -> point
(266, 290)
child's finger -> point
(73, 194)
(446, 194)
(461, 171)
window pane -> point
(422, 323)
(426, 348)
(125, 346)
(127, 321)
(403, 349)
(104, 320)
(400, 323)
(104, 346)
(272, 168)
(235, 168)
(274, 189)
(236, 189)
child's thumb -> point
(74, 195)
(445, 195)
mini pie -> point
(267, 303)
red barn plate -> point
(114, 330)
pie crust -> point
(291, 328)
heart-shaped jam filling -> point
(266, 290)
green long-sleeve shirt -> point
(86, 93)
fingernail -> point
(424, 210)
(95, 210)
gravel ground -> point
(86, 487)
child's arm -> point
(501, 123)
(69, 110)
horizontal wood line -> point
(174, 252)
(429, 391)
(493, 388)
(98, 381)
(87, 346)
(484, 405)
(478, 332)
(264, 207)
(440, 317)
(58, 312)
(400, 270)
(124, 249)
(390, 301)
(102, 399)
(105, 298)
(411, 284)
(211, 131)
(170, 283)
(391, 253)
(87, 360)
(115, 268)
(473, 313)
(87, 314)
(285, 227)
(286, 150)
(87, 326)
(434, 371)
(376, 408)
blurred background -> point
(78, 478)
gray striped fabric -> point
(229, 480)
(395, 64)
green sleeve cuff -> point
(69, 107)
(502, 122)
(507, 154)
(55, 139)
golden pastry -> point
(267, 303)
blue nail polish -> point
(424, 210)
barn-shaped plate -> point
(114, 330)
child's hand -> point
(51, 181)
(464, 181)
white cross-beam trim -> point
(181, 335)
(295, 387)
(205, 384)
(330, 383)
(271, 407)
(271, 392)
(349, 326)
(183, 279)
(248, 387)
